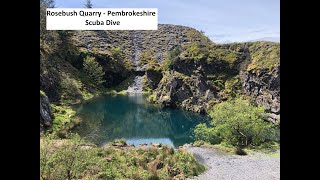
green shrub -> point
(67, 159)
(93, 70)
(70, 88)
(64, 120)
(204, 133)
(232, 87)
(239, 123)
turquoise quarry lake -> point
(134, 119)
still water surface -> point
(137, 121)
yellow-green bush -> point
(238, 123)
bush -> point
(70, 88)
(64, 119)
(93, 70)
(203, 133)
(239, 123)
(67, 159)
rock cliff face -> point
(46, 116)
(189, 92)
(264, 89)
(132, 43)
(197, 85)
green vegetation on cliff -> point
(264, 55)
(93, 70)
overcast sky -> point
(222, 20)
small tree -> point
(88, 4)
(239, 123)
(94, 70)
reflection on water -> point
(132, 118)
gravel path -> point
(234, 167)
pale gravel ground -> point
(222, 166)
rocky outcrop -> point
(252, 70)
(153, 78)
(189, 92)
(46, 116)
(263, 87)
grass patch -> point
(75, 159)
